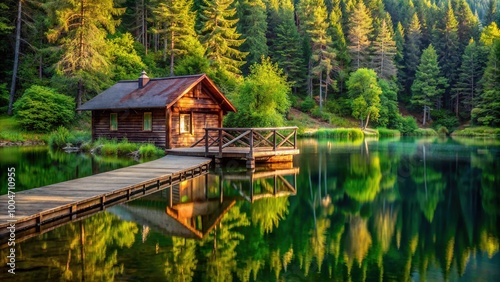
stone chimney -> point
(143, 79)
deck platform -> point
(272, 144)
(42, 209)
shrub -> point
(308, 104)
(339, 133)
(150, 150)
(443, 131)
(41, 109)
(424, 132)
(407, 125)
(59, 138)
(385, 132)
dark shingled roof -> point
(157, 93)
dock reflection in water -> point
(193, 208)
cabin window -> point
(113, 121)
(185, 123)
(148, 121)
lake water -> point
(389, 210)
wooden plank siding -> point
(205, 113)
(130, 126)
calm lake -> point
(390, 210)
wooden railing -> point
(274, 138)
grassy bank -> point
(335, 133)
(480, 131)
(62, 138)
(11, 132)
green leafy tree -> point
(360, 29)
(384, 51)
(220, 37)
(42, 109)
(252, 25)
(365, 93)
(123, 58)
(177, 27)
(429, 84)
(389, 112)
(487, 111)
(80, 29)
(263, 98)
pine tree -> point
(384, 51)
(286, 49)
(360, 29)
(411, 53)
(429, 84)
(178, 22)
(220, 38)
(487, 111)
(470, 73)
(468, 24)
(80, 28)
(339, 44)
(399, 38)
(447, 48)
(253, 26)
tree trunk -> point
(425, 115)
(367, 121)
(172, 46)
(16, 58)
(79, 94)
(321, 92)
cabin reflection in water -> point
(194, 207)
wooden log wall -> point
(205, 113)
(130, 126)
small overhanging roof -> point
(157, 93)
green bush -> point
(59, 138)
(339, 133)
(307, 105)
(42, 109)
(443, 131)
(424, 132)
(385, 132)
(150, 150)
(407, 125)
(478, 131)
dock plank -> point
(60, 199)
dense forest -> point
(365, 59)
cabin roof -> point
(157, 93)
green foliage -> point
(150, 150)
(424, 132)
(339, 133)
(389, 111)
(480, 131)
(4, 98)
(363, 88)
(444, 118)
(126, 63)
(42, 109)
(385, 132)
(406, 125)
(443, 131)
(308, 104)
(263, 99)
(253, 27)
(59, 138)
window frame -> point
(147, 116)
(113, 122)
(182, 121)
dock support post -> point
(250, 163)
(73, 211)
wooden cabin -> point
(170, 112)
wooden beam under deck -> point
(42, 209)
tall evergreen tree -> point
(253, 26)
(80, 29)
(487, 111)
(470, 73)
(339, 44)
(468, 24)
(399, 38)
(220, 38)
(447, 47)
(177, 22)
(384, 51)
(429, 84)
(287, 49)
(360, 29)
(411, 53)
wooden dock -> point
(42, 209)
(274, 144)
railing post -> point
(294, 138)
(206, 141)
(220, 142)
(251, 142)
(274, 139)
